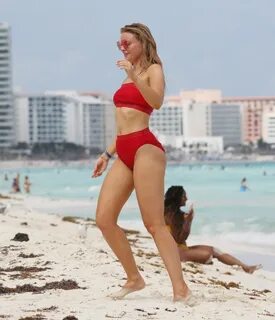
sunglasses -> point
(123, 44)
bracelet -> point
(103, 156)
(107, 154)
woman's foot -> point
(129, 287)
(251, 269)
(186, 297)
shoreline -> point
(74, 274)
(15, 164)
(247, 252)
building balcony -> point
(4, 51)
(7, 104)
(5, 69)
(5, 100)
(4, 56)
(6, 144)
(8, 122)
(4, 87)
(4, 43)
(7, 118)
(4, 95)
(5, 82)
(5, 64)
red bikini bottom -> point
(128, 144)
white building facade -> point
(198, 114)
(168, 120)
(195, 119)
(7, 137)
(196, 146)
(60, 117)
(268, 126)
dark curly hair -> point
(172, 213)
(173, 197)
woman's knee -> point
(104, 223)
(201, 256)
(153, 228)
(207, 256)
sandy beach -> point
(64, 272)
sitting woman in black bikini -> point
(179, 224)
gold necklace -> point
(139, 73)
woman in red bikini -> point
(140, 164)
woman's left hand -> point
(128, 67)
(190, 214)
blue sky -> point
(71, 44)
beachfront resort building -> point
(201, 95)
(195, 115)
(196, 122)
(64, 116)
(92, 117)
(226, 121)
(197, 147)
(7, 137)
(168, 120)
(253, 111)
(204, 119)
(269, 127)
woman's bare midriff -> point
(130, 120)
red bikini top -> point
(129, 96)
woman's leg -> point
(149, 170)
(223, 257)
(231, 261)
(196, 254)
(116, 189)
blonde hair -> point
(144, 35)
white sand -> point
(93, 266)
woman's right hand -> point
(100, 166)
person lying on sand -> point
(179, 224)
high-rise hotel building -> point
(6, 97)
(197, 114)
(254, 119)
(56, 116)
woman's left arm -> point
(153, 88)
(186, 228)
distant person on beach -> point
(244, 186)
(6, 178)
(14, 187)
(179, 223)
(27, 185)
(140, 164)
(18, 182)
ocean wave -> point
(93, 188)
(252, 238)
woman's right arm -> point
(103, 160)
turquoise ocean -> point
(222, 211)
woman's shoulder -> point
(155, 67)
(155, 72)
